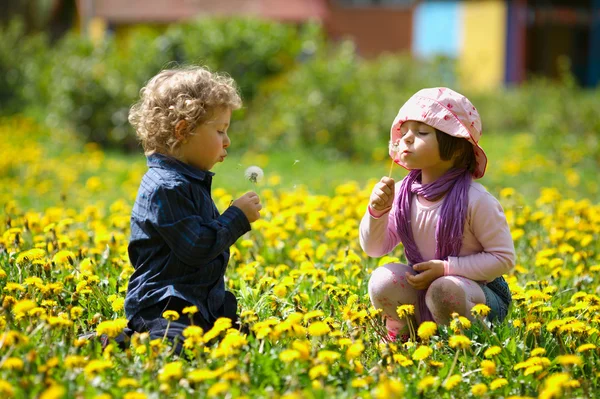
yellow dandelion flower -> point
(21, 308)
(492, 351)
(313, 314)
(199, 375)
(498, 383)
(436, 364)
(426, 383)
(360, 382)
(133, 395)
(170, 315)
(13, 287)
(479, 389)
(488, 368)
(191, 310)
(459, 323)
(75, 361)
(422, 353)
(30, 255)
(193, 332)
(289, 355)
(405, 310)
(217, 389)
(459, 341)
(303, 347)
(480, 310)
(534, 327)
(127, 382)
(76, 312)
(318, 329)
(171, 371)
(64, 258)
(318, 371)
(585, 347)
(389, 388)
(6, 389)
(517, 323)
(13, 363)
(569, 360)
(54, 391)
(426, 330)
(538, 352)
(355, 350)
(533, 369)
(452, 381)
(112, 328)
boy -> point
(179, 243)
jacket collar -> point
(162, 161)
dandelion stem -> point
(411, 329)
(451, 367)
(166, 330)
(391, 167)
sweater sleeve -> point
(378, 235)
(488, 224)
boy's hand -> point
(382, 196)
(428, 272)
(249, 203)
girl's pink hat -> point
(447, 111)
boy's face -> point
(208, 144)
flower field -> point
(301, 281)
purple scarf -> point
(449, 230)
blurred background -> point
(320, 79)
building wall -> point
(483, 49)
(375, 30)
(436, 29)
(474, 33)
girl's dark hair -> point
(458, 148)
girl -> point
(455, 235)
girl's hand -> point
(382, 196)
(428, 272)
(249, 203)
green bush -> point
(298, 90)
(338, 102)
(21, 60)
(91, 87)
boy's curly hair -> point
(190, 94)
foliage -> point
(298, 90)
(90, 87)
(337, 101)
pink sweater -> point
(487, 250)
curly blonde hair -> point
(189, 94)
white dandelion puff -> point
(254, 174)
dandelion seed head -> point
(254, 174)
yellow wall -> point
(481, 62)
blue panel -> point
(436, 29)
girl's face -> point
(208, 144)
(419, 149)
